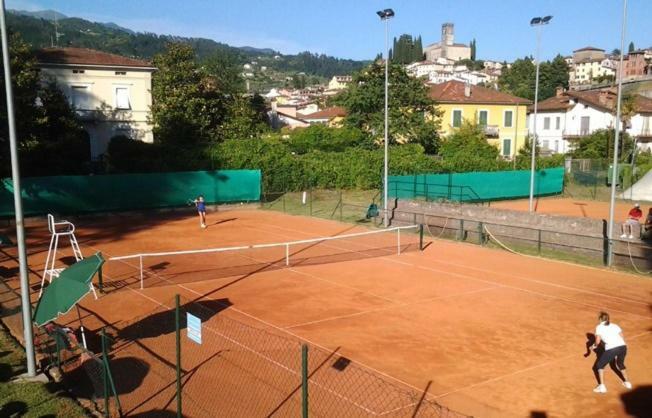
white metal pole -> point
(18, 203)
(385, 176)
(287, 254)
(534, 140)
(614, 172)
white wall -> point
(551, 138)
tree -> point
(418, 50)
(467, 149)
(631, 47)
(225, 69)
(519, 80)
(616, 51)
(187, 107)
(413, 116)
(246, 118)
(599, 145)
(473, 49)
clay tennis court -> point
(572, 207)
(485, 332)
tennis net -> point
(172, 267)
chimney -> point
(467, 90)
(559, 91)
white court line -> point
(509, 286)
(333, 318)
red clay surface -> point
(570, 207)
(489, 333)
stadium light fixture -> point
(386, 15)
(537, 22)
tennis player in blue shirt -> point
(201, 209)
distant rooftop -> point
(85, 56)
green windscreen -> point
(476, 186)
(119, 192)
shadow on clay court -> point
(155, 413)
(81, 385)
(638, 401)
(538, 414)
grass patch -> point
(29, 399)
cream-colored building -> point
(587, 71)
(447, 48)
(339, 82)
(110, 93)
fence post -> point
(539, 241)
(460, 235)
(425, 188)
(605, 243)
(287, 254)
(341, 204)
(100, 281)
(304, 381)
(109, 376)
(284, 193)
(177, 324)
(421, 237)
(310, 199)
(480, 233)
(105, 375)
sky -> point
(351, 28)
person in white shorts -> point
(615, 349)
(633, 220)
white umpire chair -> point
(57, 230)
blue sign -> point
(194, 328)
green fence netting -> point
(83, 194)
(476, 186)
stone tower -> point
(447, 34)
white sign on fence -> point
(194, 328)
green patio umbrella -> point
(5, 241)
(66, 290)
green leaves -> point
(519, 80)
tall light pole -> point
(538, 22)
(386, 15)
(614, 175)
(18, 204)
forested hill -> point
(39, 31)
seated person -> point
(633, 219)
(647, 228)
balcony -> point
(575, 133)
(645, 135)
(491, 131)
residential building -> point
(637, 65)
(502, 115)
(591, 70)
(447, 48)
(563, 119)
(110, 93)
(339, 82)
(285, 117)
(331, 116)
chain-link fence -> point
(241, 367)
(591, 179)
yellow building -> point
(502, 115)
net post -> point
(141, 272)
(304, 381)
(287, 254)
(177, 324)
(420, 237)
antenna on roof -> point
(56, 29)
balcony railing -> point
(576, 133)
(645, 133)
(491, 131)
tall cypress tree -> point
(473, 50)
(418, 50)
(631, 47)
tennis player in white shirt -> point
(614, 349)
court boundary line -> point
(403, 305)
(579, 290)
(466, 276)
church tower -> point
(447, 34)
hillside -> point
(38, 29)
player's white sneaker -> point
(203, 225)
(600, 389)
(623, 236)
(628, 385)
(631, 237)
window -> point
(78, 71)
(80, 97)
(457, 118)
(122, 98)
(120, 73)
(557, 146)
(546, 123)
(558, 123)
(508, 118)
(546, 144)
(507, 147)
(483, 115)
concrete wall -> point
(577, 237)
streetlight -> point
(538, 22)
(18, 205)
(386, 15)
(614, 175)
